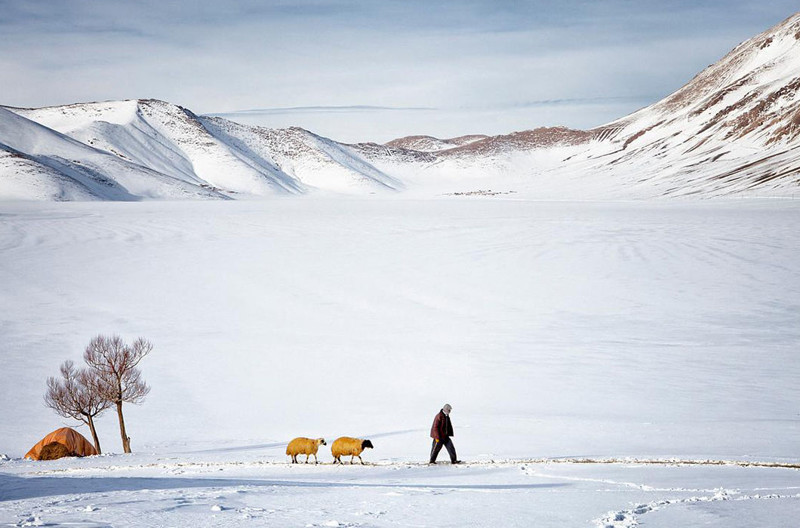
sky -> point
(359, 70)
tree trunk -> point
(90, 423)
(126, 446)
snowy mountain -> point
(175, 154)
(733, 129)
(40, 163)
(304, 157)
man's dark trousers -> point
(437, 446)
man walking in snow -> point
(441, 432)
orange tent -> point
(71, 439)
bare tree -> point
(77, 395)
(120, 379)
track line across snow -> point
(629, 518)
(479, 463)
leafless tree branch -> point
(77, 395)
(119, 378)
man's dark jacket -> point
(442, 428)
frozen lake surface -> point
(596, 330)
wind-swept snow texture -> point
(733, 129)
(556, 330)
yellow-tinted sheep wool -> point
(304, 446)
(347, 445)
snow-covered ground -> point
(555, 329)
(178, 490)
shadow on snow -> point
(16, 488)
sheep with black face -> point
(346, 445)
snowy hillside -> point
(58, 167)
(208, 156)
(314, 161)
(734, 128)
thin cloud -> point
(320, 110)
(347, 109)
(489, 65)
(582, 101)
